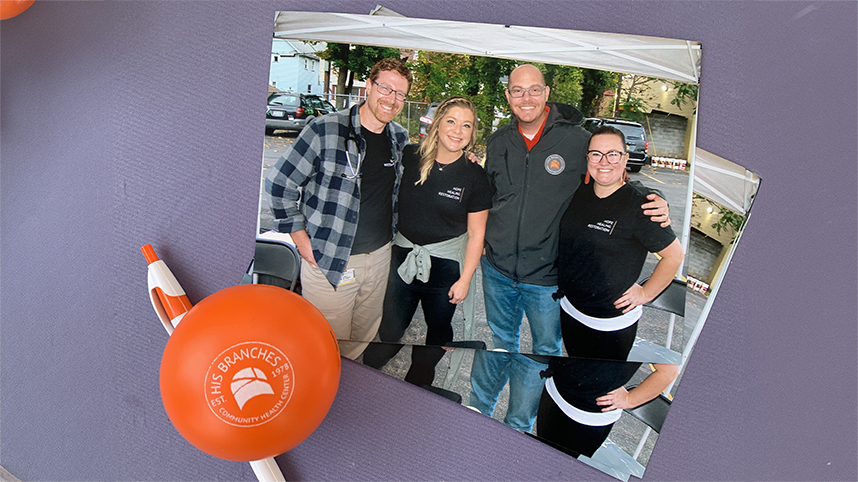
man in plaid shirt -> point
(335, 192)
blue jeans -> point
(507, 301)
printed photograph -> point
(529, 232)
(313, 76)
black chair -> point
(671, 299)
(652, 412)
(276, 262)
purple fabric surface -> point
(126, 123)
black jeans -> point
(400, 304)
(583, 341)
(572, 437)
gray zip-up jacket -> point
(530, 192)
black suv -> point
(636, 143)
(291, 111)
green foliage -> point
(594, 83)
(485, 88)
(684, 93)
(565, 83)
(436, 76)
(632, 108)
(727, 219)
(439, 75)
(357, 59)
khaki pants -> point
(354, 309)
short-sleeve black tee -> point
(378, 175)
(438, 209)
(603, 246)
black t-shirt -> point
(378, 175)
(438, 209)
(603, 246)
(581, 381)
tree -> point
(483, 85)
(629, 102)
(594, 83)
(440, 75)
(437, 75)
(354, 61)
(727, 219)
(684, 93)
(565, 82)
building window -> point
(275, 58)
(314, 66)
(305, 64)
(309, 88)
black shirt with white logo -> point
(438, 209)
(603, 246)
(378, 175)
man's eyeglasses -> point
(534, 91)
(594, 157)
(385, 90)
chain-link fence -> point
(409, 118)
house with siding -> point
(296, 66)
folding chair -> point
(671, 299)
(276, 262)
(652, 413)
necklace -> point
(441, 166)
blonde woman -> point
(444, 200)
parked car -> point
(426, 120)
(291, 111)
(636, 143)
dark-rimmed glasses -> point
(534, 91)
(613, 157)
(385, 90)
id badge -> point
(348, 277)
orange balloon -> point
(250, 372)
(10, 8)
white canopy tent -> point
(724, 182)
(671, 59)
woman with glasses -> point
(444, 200)
(603, 245)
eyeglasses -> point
(534, 91)
(385, 90)
(613, 157)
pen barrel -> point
(166, 294)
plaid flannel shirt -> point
(312, 187)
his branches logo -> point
(249, 383)
(555, 164)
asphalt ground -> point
(653, 326)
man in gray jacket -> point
(534, 165)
